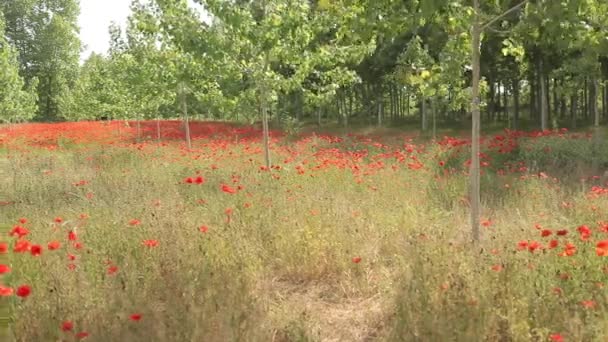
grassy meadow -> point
(347, 238)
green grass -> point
(281, 269)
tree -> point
(17, 103)
(45, 34)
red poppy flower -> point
(58, 220)
(203, 229)
(72, 236)
(81, 335)
(199, 180)
(19, 231)
(356, 259)
(23, 291)
(601, 249)
(23, 220)
(4, 269)
(562, 232)
(3, 247)
(545, 233)
(135, 317)
(21, 246)
(67, 326)
(150, 243)
(6, 291)
(53, 245)
(112, 269)
(584, 231)
(553, 244)
(497, 268)
(556, 338)
(588, 304)
(134, 222)
(228, 189)
(36, 250)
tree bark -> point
(573, 109)
(475, 127)
(544, 111)
(515, 104)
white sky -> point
(95, 19)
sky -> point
(95, 19)
(94, 22)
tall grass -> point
(284, 265)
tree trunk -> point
(544, 111)
(585, 101)
(475, 127)
(515, 104)
(433, 114)
(186, 120)
(593, 108)
(532, 106)
(423, 114)
(158, 128)
(573, 109)
(505, 101)
(380, 108)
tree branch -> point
(514, 8)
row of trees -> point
(375, 61)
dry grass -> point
(281, 268)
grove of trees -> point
(543, 64)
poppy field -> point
(347, 237)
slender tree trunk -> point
(423, 114)
(586, 101)
(319, 116)
(186, 120)
(532, 106)
(475, 127)
(515, 104)
(158, 128)
(573, 109)
(380, 108)
(544, 111)
(433, 114)
(596, 123)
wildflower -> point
(23, 291)
(199, 180)
(562, 232)
(356, 259)
(497, 268)
(36, 250)
(553, 244)
(134, 222)
(584, 231)
(601, 249)
(58, 219)
(150, 243)
(6, 291)
(81, 335)
(228, 189)
(72, 235)
(546, 232)
(569, 251)
(23, 220)
(112, 269)
(4, 269)
(3, 247)
(135, 317)
(203, 229)
(588, 304)
(556, 338)
(67, 326)
(21, 246)
(19, 231)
